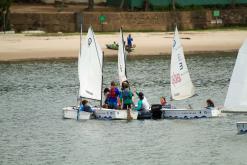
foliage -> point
(4, 14)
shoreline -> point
(19, 47)
(114, 57)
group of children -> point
(123, 99)
(116, 99)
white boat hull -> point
(189, 113)
(242, 127)
(113, 114)
(72, 113)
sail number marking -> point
(176, 78)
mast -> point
(102, 69)
(100, 65)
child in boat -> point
(113, 96)
(126, 96)
(210, 104)
(164, 103)
(85, 107)
(106, 94)
(129, 41)
(142, 104)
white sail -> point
(121, 59)
(181, 84)
(236, 98)
(90, 68)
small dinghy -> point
(115, 114)
(182, 86)
(90, 76)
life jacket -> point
(113, 93)
(126, 94)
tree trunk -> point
(122, 4)
(173, 4)
(146, 5)
(90, 4)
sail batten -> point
(121, 59)
(90, 64)
(181, 84)
(236, 98)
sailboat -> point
(236, 98)
(182, 86)
(114, 114)
(90, 65)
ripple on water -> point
(33, 131)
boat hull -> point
(72, 113)
(113, 114)
(242, 127)
(190, 114)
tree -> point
(90, 4)
(4, 13)
(122, 4)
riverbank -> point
(19, 47)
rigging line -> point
(79, 57)
(101, 64)
(96, 49)
(124, 54)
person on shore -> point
(210, 104)
(126, 96)
(129, 41)
(85, 107)
(113, 96)
(142, 105)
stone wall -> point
(49, 22)
(147, 21)
(130, 21)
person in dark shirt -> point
(85, 107)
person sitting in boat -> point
(210, 104)
(126, 96)
(113, 96)
(142, 105)
(164, 103)
(85, 107)
(106, 94)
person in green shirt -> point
(142, 104)
(126, 96)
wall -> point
(147, 21)
(131, 21)
(49, 22)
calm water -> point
(32, 95)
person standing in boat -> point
(126, 96)
(129, 43)
(113, 96)
(85, 107)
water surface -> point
(32, 95)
